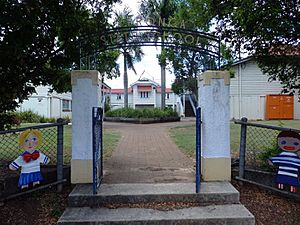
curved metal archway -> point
(124, 37)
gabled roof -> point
(275, 50)
(144, 81)
(249, 58)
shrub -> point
(66, 119)
(142, 113)
(28, 117)
(31, 117)
(8, 120)
(269, 152)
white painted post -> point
(213, 91)
(86, 94)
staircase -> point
(189, 109)
(156, 204)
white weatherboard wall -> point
(214, 102)
(47, 103)
(85, 95)
(248, 91)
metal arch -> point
(159, 28)
(116, 38)
(158, 43)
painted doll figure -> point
(288, 161)
(30, 159)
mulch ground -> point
(45, 207)
(267, 207)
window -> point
(167, 95)
(66, 105)
(144, 94)
(119, 96)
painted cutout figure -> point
(288, 161)
(30, 159)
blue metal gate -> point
(198, 149)
(97, 147)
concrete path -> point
(146, 154)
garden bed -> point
(142, 116)
(141, 120)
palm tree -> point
(156, 12)
(131, 54)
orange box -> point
(280, 107)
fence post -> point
(60, 155)
(243, 148)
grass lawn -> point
(185, 136)
(110, 141)
(9, 149)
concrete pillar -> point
(86, 94)
(213, 91)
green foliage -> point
(267, 153)
(184, 63)
(142, 113)
(107, 104)
(8, 120)
(268, 30)
(38, 43)
(29, 117)
(159, 13)
(14, 119)
(32, 117)
(131, 54)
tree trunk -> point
(163, 77)
(163, 85)
(125, 82)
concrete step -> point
(210, 193)
(234, 214)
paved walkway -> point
(146, 154)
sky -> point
(148, 67)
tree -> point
(186, 64)
(38, 43)
(158, 13)
(131, 55)
(268, 30)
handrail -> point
(192, 104)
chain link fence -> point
(10, 150)
(258, 142)
(56, 144)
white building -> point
(248, 91)
(48, 104)
(144, 93)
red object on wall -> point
(280, 107)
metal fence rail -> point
(52, 141)
(52, 146)
(258, 142)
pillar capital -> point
(94, 75)
(208, 75)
